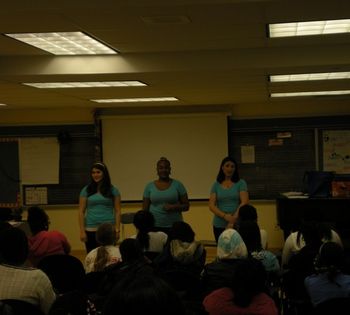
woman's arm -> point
(213, 208)
(146, 203)
(244, 198)
(117, 211)
(82, 211)
(181, 206)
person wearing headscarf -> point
(230, 250)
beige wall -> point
(65, 219)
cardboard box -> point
(341, 188)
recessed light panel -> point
(317, 93)
(60, 85)
(138, 99)
(64, 43)
(309, 28)
(310, 76)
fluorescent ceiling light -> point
(138, 99)
(310, 76)
(309, 28)
(59, 85)
(318, 93)
(2, 104)
(67, 43)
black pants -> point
(217, 231)
(91, 242)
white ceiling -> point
(211, 54)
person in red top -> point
(245, 296)
(43, 242)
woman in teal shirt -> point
(99, 203)
(165, 198)
(227, 195)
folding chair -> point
(126, 218)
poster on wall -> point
(336, 151)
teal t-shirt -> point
(99, 209)
(159, 198)
(227, 200)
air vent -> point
(166, 19)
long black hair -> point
(106, 186)
(144, 222)
(330, 260)
(221, 176)
(37, 219)
(250, 233)
(249, 280)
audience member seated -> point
(182, 252)
(250, 233)
(249, 213)
(4, 226)
(65, 272)
(107, 253)
(230, 250)
(43, 242)
(151, 242)
(19, 282)
(295, 241)
(328, 282)
(245, 294)
(144, 294)
(299, 267)
(18, 307)
(133, 263)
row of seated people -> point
(181, 262)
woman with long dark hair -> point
(227, 195)
(99, 202)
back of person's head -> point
(5, 214)
(106, 234)
(231, 245)
(144, 220)
(247, 213)
(325, 231)
(250, 233)
(144, 294)
(249, 280)
(144, 223)
(38, 220)
(182, 231)
(130, 250)
(330, 258)
(4, 226)
(13, 246)
(311, 234)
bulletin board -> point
(274, 154)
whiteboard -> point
(194, 144)
(39, 160)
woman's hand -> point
(231, 220)
(117, 232)
(170, 207)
